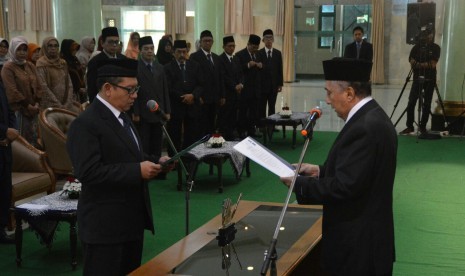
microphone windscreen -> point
(316, 110)
(152, 105)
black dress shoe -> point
(5, 239)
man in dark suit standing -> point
(153, 86)
(185, 89)
(8, 133)
(360, 48)
(355, 184)
(233, 84)
(271, 75)
(250, 66)
(110, 41)
(107, 156)
(213, 89)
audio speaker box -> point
(420, 17)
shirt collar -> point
(108, 55)
(113, 110)
(356, 107)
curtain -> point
(247, 18)
(2, 21)
(175, 17)
(41, 15)
(279, 17)
(288, 41)
(377, 73)
(16, 15)
(229, 17)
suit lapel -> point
(120, 132)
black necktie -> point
(183, 71)
(359, 45)
(127, 126)
(269, 54)
(149, 66)
(209, 56)
(230, 59)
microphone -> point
(315, 113)
(154, 107)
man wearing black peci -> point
(213, 89)
(355, 183)
(423, 59)
(185, 90)
(233, 79)
(107, 156)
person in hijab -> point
(99, 48)
(68, 51)
(86, 50)
(3, 52)
(164, 51)
(33, 53)
(23, 89)
(132, 50)
(54, 78)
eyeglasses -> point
(52, 45)
(130, 90)
(113, 42)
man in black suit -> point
(153, 86)
(250, 66)
(213, 89)
(271, 75)
(355, 184)
(8, 133)
(233, 84)
(107, 156)
(360, 48)
(185, 89)
(110, 41)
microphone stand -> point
(189, 180)
(270, 254)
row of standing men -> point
(202, 94)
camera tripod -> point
(421, 86)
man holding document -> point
(355, 183)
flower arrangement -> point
(285, 112)
(216, 141)
(72, 188)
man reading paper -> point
(356, 181)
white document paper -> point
(30, 206)
(264, 157)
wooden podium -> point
(199, 254)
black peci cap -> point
(228, 39)
(179, 44)
(146, 40)
(347, 69)
(254, 39)
(117, 68)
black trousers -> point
(227, 116)
(427, 90)
(112, 259)
(208, 119)
(267, 99)
(248, 114)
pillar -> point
(452, 69)
(76, 19)
(209, 15)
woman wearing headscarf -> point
(132, 50)
(3, 52)
(86, 50)
(33, 53)
(164, 54)
(54, 78)
(23, 89)
(68, 51)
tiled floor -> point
(304, 95)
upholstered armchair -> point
(53, 127)
(31, 175)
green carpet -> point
(428, 205)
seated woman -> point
(54, 78)
(23, 89)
